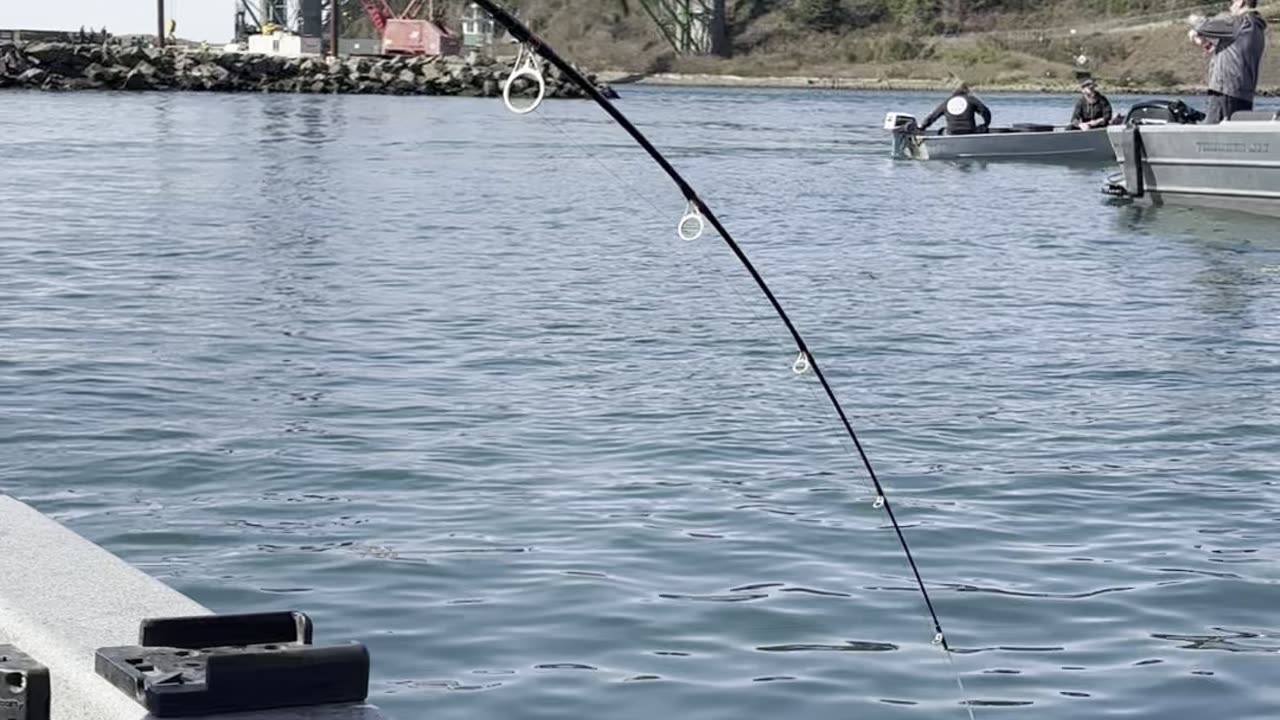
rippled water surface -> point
(446, 379)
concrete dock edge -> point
(63, 597)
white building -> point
(285, 44)
(478, 29)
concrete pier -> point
(62, 598)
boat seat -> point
(1254, 115)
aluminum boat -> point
(1166, 158)
(1026, 141)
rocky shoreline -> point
(67, 66)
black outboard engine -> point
(1132, 183)
(1163, 112)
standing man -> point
(960, 110)
(1092, 107)
(1236, 41)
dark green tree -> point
(821, 15)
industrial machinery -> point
(405, 33)
(301, 23)
(300, 17)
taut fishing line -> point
(635, 191)
(691, 226)
(778, 334)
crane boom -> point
(378, 12)
(405, 33)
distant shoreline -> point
(886, 84)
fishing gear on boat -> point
(692, 223)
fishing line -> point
(743, 303)
(635, 191)
(683, 367)
(629, 190)
(691, 226)
(778, 334)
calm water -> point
(446, 379)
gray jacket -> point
(1240, 41)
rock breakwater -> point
(68, 66)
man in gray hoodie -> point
(1236, 40)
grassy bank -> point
(873, 82)
(1141, 52)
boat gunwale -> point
(1090, 144)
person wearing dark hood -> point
(960, 110)
(1235, 41)
(1092, 108)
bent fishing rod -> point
(690, 227)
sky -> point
(209, 20)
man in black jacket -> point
(1092, 108)
(1236, 41)
(960, 110)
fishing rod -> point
(692, 223)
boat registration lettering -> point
(1236, 147)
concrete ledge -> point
(62, 598)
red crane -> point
(379, 12)
(404, 33)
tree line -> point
(947, 15)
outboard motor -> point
(903, 122)
(1163, 112)
(1132, 183)
(904, 129)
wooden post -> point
(720, 46)
(333, 27)
(160, 23)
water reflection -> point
(1198, 222)
(295, 168)
(1240, 253)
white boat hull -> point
(1233, 165)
